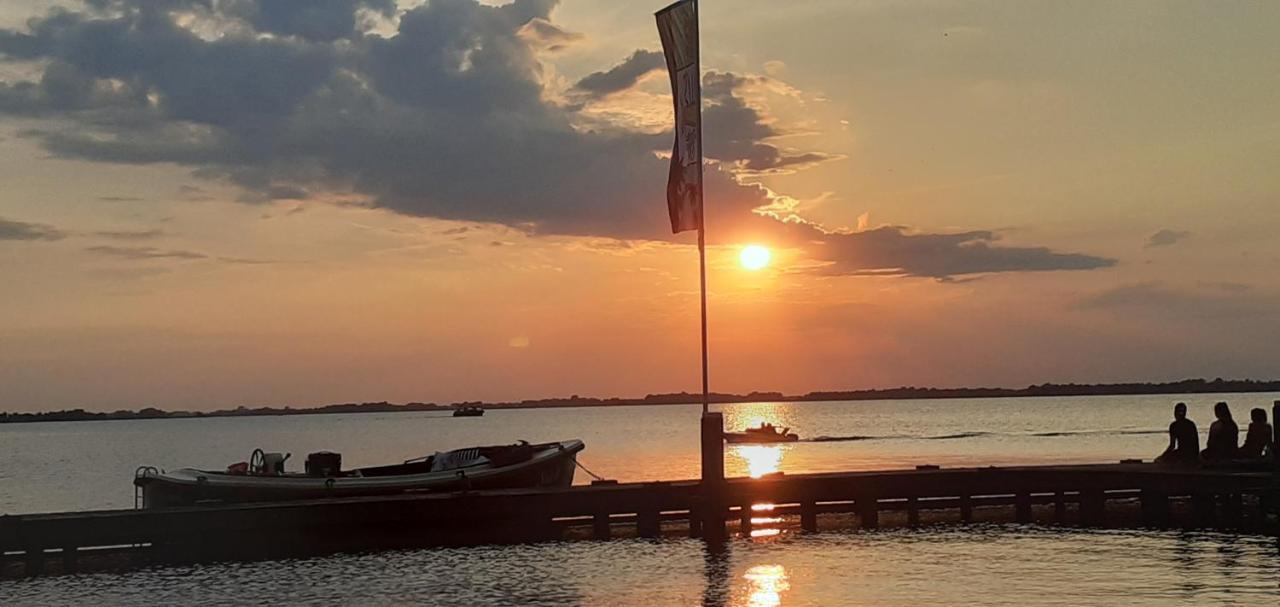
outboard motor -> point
(274, 463)
(324, 463)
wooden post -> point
(1202, 510)
(647, 523)
(34, 560)
(713, 485)
(69, 560)
(1060, 507)
(809, 516)
(1274, 500)
(1232, 508)
(744, 519)
(600, 526)
(1093, 506)
(966, 508)
(1155, 508)
(913, 511)
(1022, 507)
(869, 511)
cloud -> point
(893, 251)
(621, 76)
(1149, 299)
(545, 35)
(1166, 237)
(740, 129)
(21, 230)
(144, 252)
(119, 199)
(131, 234)
(452, 116)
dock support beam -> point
(1022, 507)
(1202, 508)
(966, 508)
(809, 516)
(1093, 507)
(913, 511)
(713, 483)
(868, 511)
(600, 526)
(744, 519)
(1155, 508)
(647, 523)
(1060, 507)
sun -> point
(754, 257)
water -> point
(82, 465)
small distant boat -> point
(765, 433)
(468, 411)
(263, 478)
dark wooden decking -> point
(1078, 495)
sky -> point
(214, 203)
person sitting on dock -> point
(1224, 436)
(1184, 439)
(1257, 442)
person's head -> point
(1259, 416)
(1180, 411)
(1222, 411)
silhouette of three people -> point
(1223, 445)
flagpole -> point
(702, 276)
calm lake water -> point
(85, 465)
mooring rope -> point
(584, 469)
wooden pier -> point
(1088, 495)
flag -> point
(678, 28)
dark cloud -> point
(131, 234)
(144, 252)
(549, 36)
(622, 76)
(1159, 299)
(21, 230)
(894, 251)
(1166, 237)
(119, 199)
(319, 20)
(448, 118)
(739, 130)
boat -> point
(263, 477)
(468, 411)
(765, 433)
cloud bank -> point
(452, 116)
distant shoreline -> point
(1188, 386)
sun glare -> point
(754, 257)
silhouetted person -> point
(1184, 439)
(1224, 436)
(1257, 442)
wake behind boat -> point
(263, 478)
(765, 433)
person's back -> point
(1187, 440)
(1224, 436)
(1257, 442)
(1184, 439)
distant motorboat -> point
(468, 412)
(765, 433)
(263, 478)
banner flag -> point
(678, 27)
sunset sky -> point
(209, 203)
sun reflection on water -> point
(766, 583)
(760, 459)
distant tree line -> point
(1186, 386)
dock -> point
(1125, 494)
